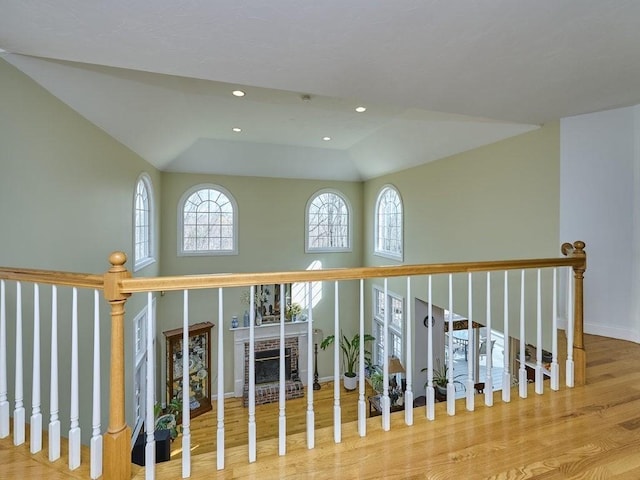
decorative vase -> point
(258, 316)
(234, 321)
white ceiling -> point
(157, 75)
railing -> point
(118, 285)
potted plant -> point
(441, 379)
(170, 419)
(350, 356)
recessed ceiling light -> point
(361, 109)
(326, 139)
(236, 129)
(238, 93)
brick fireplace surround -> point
(267, 337)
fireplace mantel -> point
(265, 332)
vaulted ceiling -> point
(437, 77)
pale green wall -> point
(271, 238)
(500, 201)
(66, 197)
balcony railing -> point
(523, 303)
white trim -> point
(140, 363)
(140, 263)
(393, 330)
(183, 199)
(387, 253)
(343, 197)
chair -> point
(482, 351)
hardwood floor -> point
(590, 432)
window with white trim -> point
(208, 222)
(388, 224)
(328, 222)
(140, 366)
(396, 325)
(142, 223)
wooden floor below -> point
(590, 432)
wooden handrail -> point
(53, 277)
(191, 282)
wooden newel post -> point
(117, 439)
(579, 355)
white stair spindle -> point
(337, 411)
(362, 420)
(36, 414)
(18, 411)
(555, 368)
(470, 392)
(506, 374)
(4, 402)
(451, 388)
(96, 437)
(570, 381)
(149, 422)
(408, 394)
(220, 404)
(74, 430)
(186, 407)
(54, 419)
(252, 376)
(385, 402)
(539, 388)
(522, 372)
(282, 419)
(488, 382)
(430, 391)
(311, 416)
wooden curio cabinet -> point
(199, 359)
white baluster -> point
(96, 437)
(555, 368)
(4, 403)
(150, 445)
(252, 377)
(54, 420)
(18, 411)
(570, 323)
(186, 407)
(220, 432)
(506, 374)
(430, 392)
(451, 388)
(74, 431)
(488, 381)
(539, 375)
(522, 372)
(282, 418)
(385, 402)
(36, 414)
(337, 412)
(408, 394)
(311, 416)
(362, 420)
(471, 358)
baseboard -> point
(612, 332)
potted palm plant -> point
(441, 379)
(350, 356)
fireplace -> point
(268, 365)
(267, 371)
(267, 337)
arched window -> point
(388, 224)
(328, 222)
(142, 223)
(207, 222)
